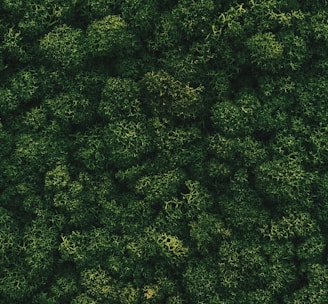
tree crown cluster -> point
(163, 151)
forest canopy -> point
(163, 151)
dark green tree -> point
(168, 97)
(109, 37)
(64, 46)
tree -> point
(168, 97)
(126, 142)
(9, 238)
(40, 242)
(187, 22)
(99, 285)
(33, 267)
(321, 192)
(69, 108)
(284, 180)
(235, 119)
(90, 150)
(171, 248)
(13, 47)
(109, 37)
(316, 290)
(295, 225)
(197, 199)
(207, 231)
(120, 100)
(201, 282)
(142, 16)
(64, 46)
(38, 152)
(177, 146)
(242, 206)
(8, 101)
(6, 141)
(163, 151)
(92, 10)
(265, 50)
(35, 17)
(36, 119)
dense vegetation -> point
(164, 151)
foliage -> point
(35, 17)
(142, 16)
(160, 187)
(64, 46)
(284, 179)
(8, 101)
(12, 46)
(120, 100)
(236, 120)
(266, 51)
(169, 97)
(171, 247)
(109, 36)
(126, 142)
(201, 282)
(163, 151)
(69, 108)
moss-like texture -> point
(163, 151)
